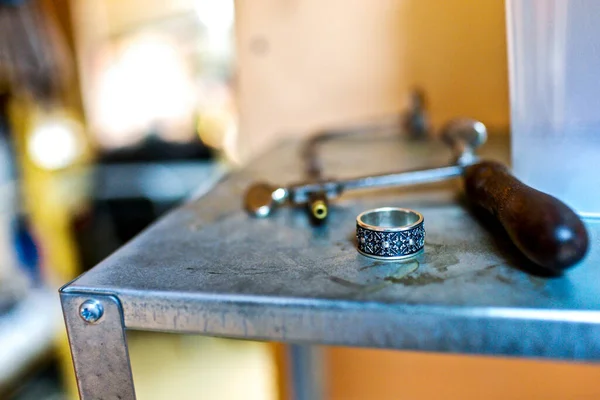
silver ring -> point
(390, 233)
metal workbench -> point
(208, 268)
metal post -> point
(307, 372)
(98, 346)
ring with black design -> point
(390, 233)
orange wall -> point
(359, 374)
(304, 64)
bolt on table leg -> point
(98, 346)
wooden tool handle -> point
(547, 231)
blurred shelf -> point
(157, 181)
(27, 332)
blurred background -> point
(113, 112)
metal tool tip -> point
(319, 209)
(259, 200)
(471, 132)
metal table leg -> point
(307, 372)
(98, 346)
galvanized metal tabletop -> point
(209, 268)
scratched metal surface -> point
(209, 268)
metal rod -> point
(307, 372)
(299, 194)
(404, 178)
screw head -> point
(91, 311)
